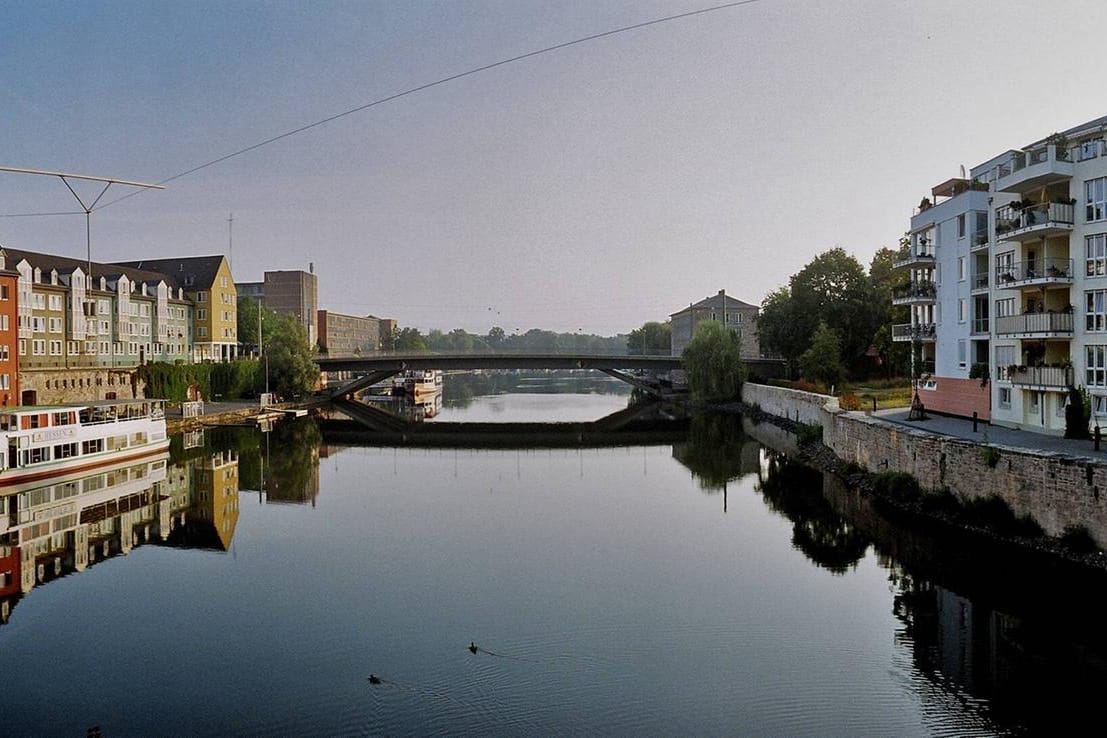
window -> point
(55, 325)
(55, 348)
(1095, 310)
(961, 225)
(5, 381)
(1035, 402)
(962, 268)
(962, 310)
(4, 323)
(102, 307)
(1095, 199)
(1005, 397)
(39, 301)
(4, 292)
(1095, 255)
(201, 314)
(1095, 365)
(38, 347)
(201, 297)
(962, 353)
(5, 353)
(203, 332)
(55, 302)
(1062, 401)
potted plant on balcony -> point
(925, 204)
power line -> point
(442, 81)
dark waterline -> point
(701, 586)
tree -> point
(775, 326)
(248, 321)
(410, 339)
(288, 351)
(712, 361)
(495, 337)
(652, 338)
(822, 361)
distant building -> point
(291, 292)
(741, 317)
(346, 335)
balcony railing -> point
(979, 240)
(980, 282)
(1051, 270)
(980, 325)
(1028, 219)
(1026, 170)
(922, 257)
(915, 292)
(908, 332)
(1034, 324)
(1041, 376)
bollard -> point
(974, 421)
(1096, 436)
(874, 404)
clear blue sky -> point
(592, 188)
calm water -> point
(251, 584)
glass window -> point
(1095, 365)
(1095, 199)
(1095, 310)
(1095, 255)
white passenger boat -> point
(422, 384)
(42, 442)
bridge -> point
(379, 367)
(631, 369)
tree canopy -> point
(290, 367)
(712, 361)
(833, 289)
(652, 338)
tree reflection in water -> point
(717, 451)
(796, 492)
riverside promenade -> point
(995, 435)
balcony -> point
(1030, 222)
(980, 282)
(1035, 325)
(1041, 377)
(1039, 272)
(915, 294)
(980, 327)
(921, 259)
(908, 332)
(1028, 170)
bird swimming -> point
(374, 679)
(472, 647)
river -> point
(661, 577)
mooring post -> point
(974, 421)
(874, 404)
(1096, 436)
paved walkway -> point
(961, 428)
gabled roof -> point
(718, 302)
(67, 265)
(190, 272)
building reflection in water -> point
(63, 528)
(1012, 638)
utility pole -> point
(230, 240)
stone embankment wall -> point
(803, 407)
(60, 386)
(1057, 491)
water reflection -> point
(64, 528)
(580, 578)
(460, 390)
(1011, 638)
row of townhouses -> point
(1008, 284)
(59, 313)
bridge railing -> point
(491, 352)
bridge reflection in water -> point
(358, 424)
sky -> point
(590, 189)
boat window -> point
(9, 422)
(63, 418)
(65, 450)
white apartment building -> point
(1027, 296)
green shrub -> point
(990, 456)
(897, 486)
(996, 515)
(809, 433)
(941, 502)
(1078, 540)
